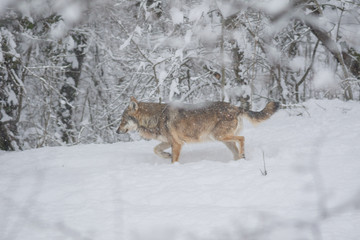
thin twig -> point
(264, 173)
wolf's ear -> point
(133, 99)
(133, 104)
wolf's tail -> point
(266, 113)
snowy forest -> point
(68, 68)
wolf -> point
(174, 125)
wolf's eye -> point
(132, 119)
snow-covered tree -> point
(68, 68)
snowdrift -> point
(124, 191)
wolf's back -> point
(266, 113)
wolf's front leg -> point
(159, 150)
(175, 149)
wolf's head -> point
(129, 121)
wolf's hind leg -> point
(159, 150)
(233, 148)
(234, 139)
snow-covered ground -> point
(124, 191)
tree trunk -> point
(11, 90)
(68, 90)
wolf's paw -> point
(166, 155)
(240, 156)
